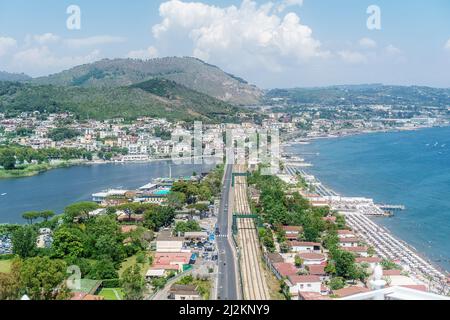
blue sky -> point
(278, 43)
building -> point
(303, 283)
(312, 258)
(350, 291)
(349, 242)
(165, 242)
(358, 251)
(299, 246)
(184, 292)
(395, 293)
(283, 270)
(292, 232)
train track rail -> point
(253, 280)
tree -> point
(345, 264)
(80, 209)
(103, 270)
(10, 283)
(337, 283)
(189, 226)
(176, 200)
(133, 283)
(298, 261)
(30, 216)
(46, 215)
(24, 242)
(68, 243)
(42, 278)
(8, 159)
(204, 193)
(389, 265)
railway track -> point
(253, 280)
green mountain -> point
(155, 98)
(189, 72)
(6, 76)
(363, 95)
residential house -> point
(184, 292)
(302, 283)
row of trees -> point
(278, 209)
(31, 216)
(12, 156)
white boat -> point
(4, 194)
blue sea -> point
(410, 168)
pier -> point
(392, 207)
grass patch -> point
(112, 293)
(131, 261)
(273, 284)
(5, 266)
(33, 169)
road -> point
(227, 279)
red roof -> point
(162, 258)
(312, 296)
(317, 270)
(311, 256)
(303, 279)
(292, 228)
(353, 239)
(345, 232)
(392, 272)
(127, 229)
(285, 269)
(304, 244)
(355, 249)
(418, 287)
(165, 267)
(350, 291)
(368, 260)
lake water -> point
(55, 189)
(409, 168)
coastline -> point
(34, 170)
(384, 241)
(359, 133)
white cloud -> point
(392, 50)
(43, 39)
(6, 44)
(288, 3)
(447, 45)
(93, 41)
(367, 43)
(251, 35)
(39, 60)
(352, 57)
(149, 53)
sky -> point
(270, 43)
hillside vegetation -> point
(189, 72)
(155, 98)
(365, 94)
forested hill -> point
(189, 72)
(6, 76)
(156, 98)
(363, 95)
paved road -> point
(227, 280)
